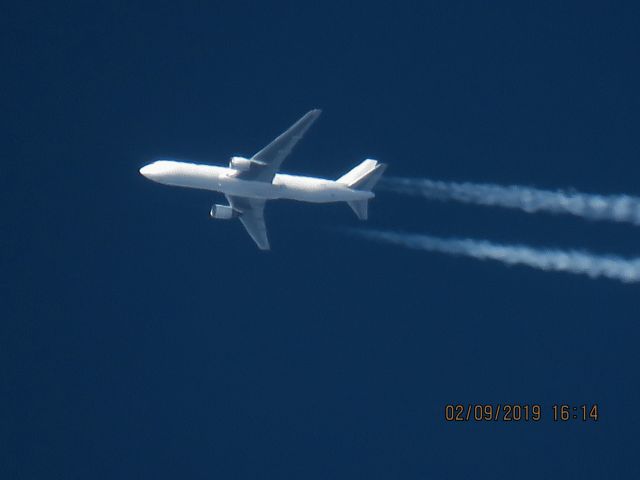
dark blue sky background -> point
(140, 339)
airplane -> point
(249, 182)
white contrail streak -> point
(616, 208)
(570, 261)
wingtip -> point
(264, 246)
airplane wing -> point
(269, 159)
(252, 217)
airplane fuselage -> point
(248, 183)
(225, 180)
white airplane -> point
(249, 182)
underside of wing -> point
(252, 217)
(270, 158)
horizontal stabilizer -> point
(361, 208)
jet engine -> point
(240, 164)
(223, 212)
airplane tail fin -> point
(363, 177)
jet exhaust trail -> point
(570, 261)
(615, 208)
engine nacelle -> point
(223, 212)
(240, 164)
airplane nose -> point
(156, 171)
(146, 170)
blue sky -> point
(142, 339)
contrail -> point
(570, 261)
(615, 208)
